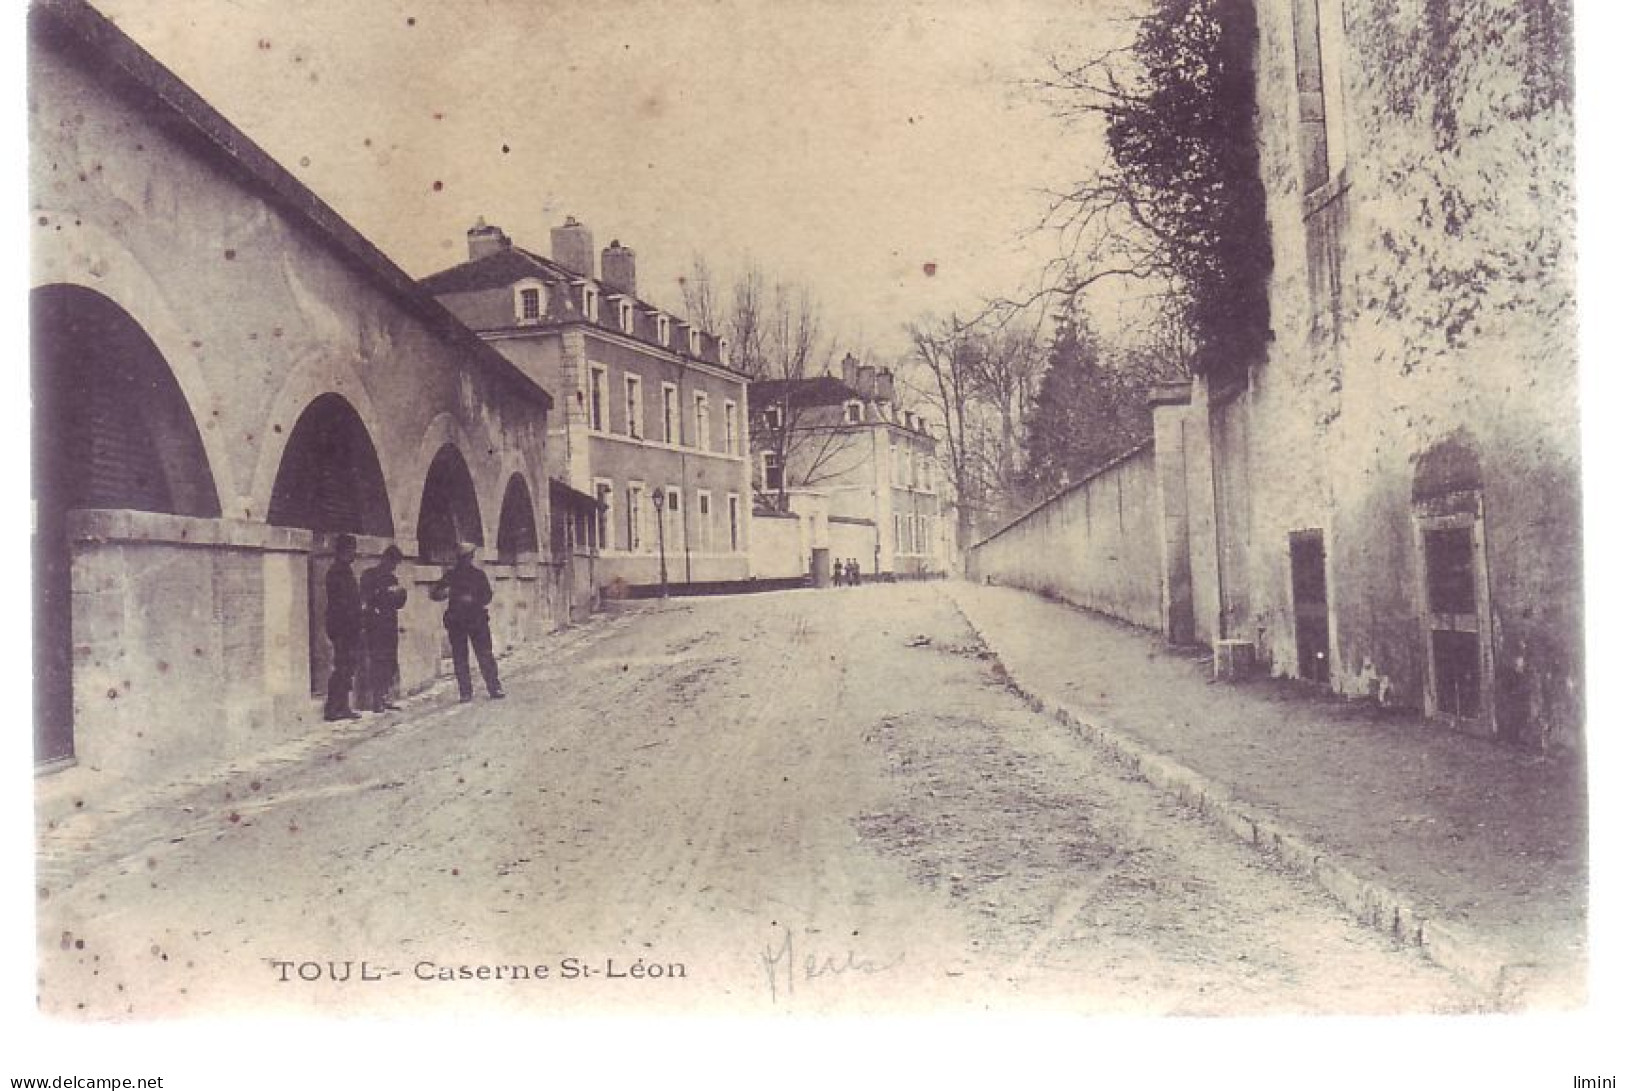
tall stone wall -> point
(1096, 545)
(1423, 298)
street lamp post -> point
(660, 536)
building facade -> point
(844, 453)
(225, 376)
(1388, 504)
(651, 420)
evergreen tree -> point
(1086, 412)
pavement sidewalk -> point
(1466, 848)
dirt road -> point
(807, 802)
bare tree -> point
(775, 330)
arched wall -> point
(103, 265)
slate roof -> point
(497, 270)
(819, 390)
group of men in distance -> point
(846, 572)
(363, 625)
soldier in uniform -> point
(466, 593)
(343, 629)
(382, 597)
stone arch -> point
(100, 264)
(517, 534)
(112, 430)
(329, 478)
(443, 430)
(1449, 467)
(314, 377)
(449, 512)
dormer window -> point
(589, 302)
(693, 341)
(773, 417)
(854, 412)
(529, 301)
(627, 316)
(663, 329)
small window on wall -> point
(634, 518)
(772, 472)
(702, 420)
(606, 514)
(702, 520)
(854, 412)
(589, 302)
(663, 329)
(693, 342)
(628, 316)
(598, 398)
(670, 422)
(634, 406)
(733, 523)
(730, 428)
(530, 304)
(773, 417)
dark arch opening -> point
(111, 429)
(516, 530)
(450, 512)
(1450, 466)
(330, 479)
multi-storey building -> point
(650, 433)
(844, 447)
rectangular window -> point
(773, 417)
(1317, 31)
(589, 302)
(634, 518)
(530, 304)
(693, 342)
(702, 521)
(605, 491)
(634, 406)
(628, 317)
(730, 428)
(671, 424)
(733, 523)
(663, 329)
(1451, 570)
(598, 398)
(854, 412)
(772, 472)
(702, 420)
(671, 517)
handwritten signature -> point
(784, 968)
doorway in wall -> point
(1310, 616)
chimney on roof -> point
(849, 370)
(866, 381)
(885, 390)
(620, 268)
(486, 239)
(572, 247)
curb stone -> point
(1375, 905)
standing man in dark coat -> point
(466, 593)
(382, 597)
(343, 629)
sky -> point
(886, 155)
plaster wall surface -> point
(1425, 297)
(1094, 545)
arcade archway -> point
(112, 430)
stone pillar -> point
(1201, 510)
(1170, 408)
